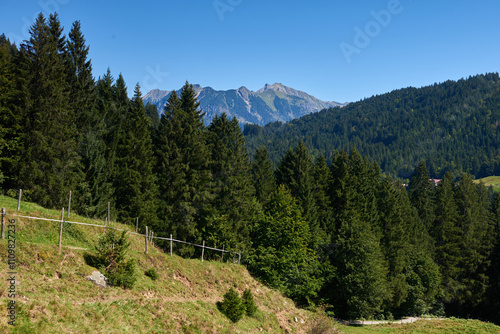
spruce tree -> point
(422, 192)
(263, 176)
(232, 185)
(358, 288)
(295, 172)
(135, 185)
(476, 245)
(413, 276)
(51, 162)
(182, 166)
(95, 190)
(10, 130)
(448, 236)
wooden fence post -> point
(61, 228)
(146, 239)
(3, 223)
(19, 201)
(136, 224)
(222, 256)
(234, 255)
(104, 228)
(202, 250)
(69, 203)
(109, 214)
(171, 245)
(239, 257)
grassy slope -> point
(493, 181)
(54, 296)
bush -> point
(151, 273)
(321, 323)
(232, 306)
(248, 302)
(109, 257)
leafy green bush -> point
(248, 302)
(151, 273)
(110, 258)
(232, 306)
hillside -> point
(53, 295)
(269, 104)
(452, 125)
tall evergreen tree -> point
(322, 177)
(183, 165)
(232, 184)
(358, 288)
(10, 130)
(413, 276)
(135, 185)
(263, 176)
(476, 245)
(421, 192)
(50, 167)
(447, 237)
(295, 172)
(95, 190)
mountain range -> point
(271, 103)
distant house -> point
(435, 181)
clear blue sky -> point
(336, 50)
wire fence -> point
(149, 236)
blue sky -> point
(336, 50)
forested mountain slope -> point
(452, 125)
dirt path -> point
(378, 322)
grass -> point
(493, 181)
(452, 325)
(54, 296)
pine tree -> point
(322, 177)
(422, 194)
(95, 190)
(10, 130)
(476, 245)
(50, 167)
(295, 172)
(358, 288)
(232, 185)
(413, 276)
(263, 176)
(447, 236)
(182, 166)
(135, 185)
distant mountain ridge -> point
(271, 103)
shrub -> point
(110, 258)
(321, 323)
(232, 306)
(248, 302)
(151, 273)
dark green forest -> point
(319, 219)
(453, 126)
